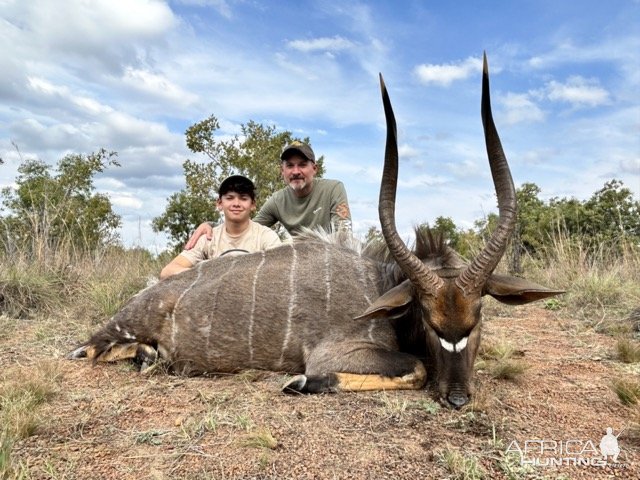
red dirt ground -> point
(110, 422)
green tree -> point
(61, 209)
(254, 153)
(612, 214)
(443, 226)
(447, 227)
(374, 234)
(532, 222)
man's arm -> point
(203, 229)
(177, 265)
(267, 215)
(340, 212)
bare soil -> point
(110, 422)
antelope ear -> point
(391, 304)
(516, 290)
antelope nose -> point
(457, 399)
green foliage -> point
(47, 211)
(185, 210)
(374, 236)
(612, 213)
(446, 227)
(610, 216)
(254, 153)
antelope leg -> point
(356, 382)
(142, 354)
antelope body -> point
(343, 317)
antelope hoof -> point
(146, 357)
(323, 383)
(295, 385)
(457, 400)
(80, 352)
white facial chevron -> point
(450, 347)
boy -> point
(237, 200)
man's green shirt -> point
(326, 206)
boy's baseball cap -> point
(237, 184)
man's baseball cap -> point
(298, 148)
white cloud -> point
(617, 49)
(77, 44)
(125, 201)
(631, 165)
(417, 181)
(157, 85)
(329, 44)
(406, 151)
(81, 25)
(222, 6)
(56, 94)
(578, 91)
(444, 75)
(537, 156)
(520, 108)
(91, 124)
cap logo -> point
(295, 143)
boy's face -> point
(237, 207)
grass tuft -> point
(21, 393)
(27, 287)
(427, 405)
(461, 467)
(393, 405)
(499, 361)
(260, 438)
(602, 281)
(627, 390)
(628, 351)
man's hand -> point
(203, 229)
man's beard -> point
(298, 184)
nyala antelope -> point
(341, 316)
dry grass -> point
(30, 287)
(23, 391)
(95, 286)
(260, 438)
(628, 351)
(460, 466)
(63, 296)
(500, 360)
(627, 390)
(602, 283)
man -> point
(306, 201)
(236, 199)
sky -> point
(132, 75)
